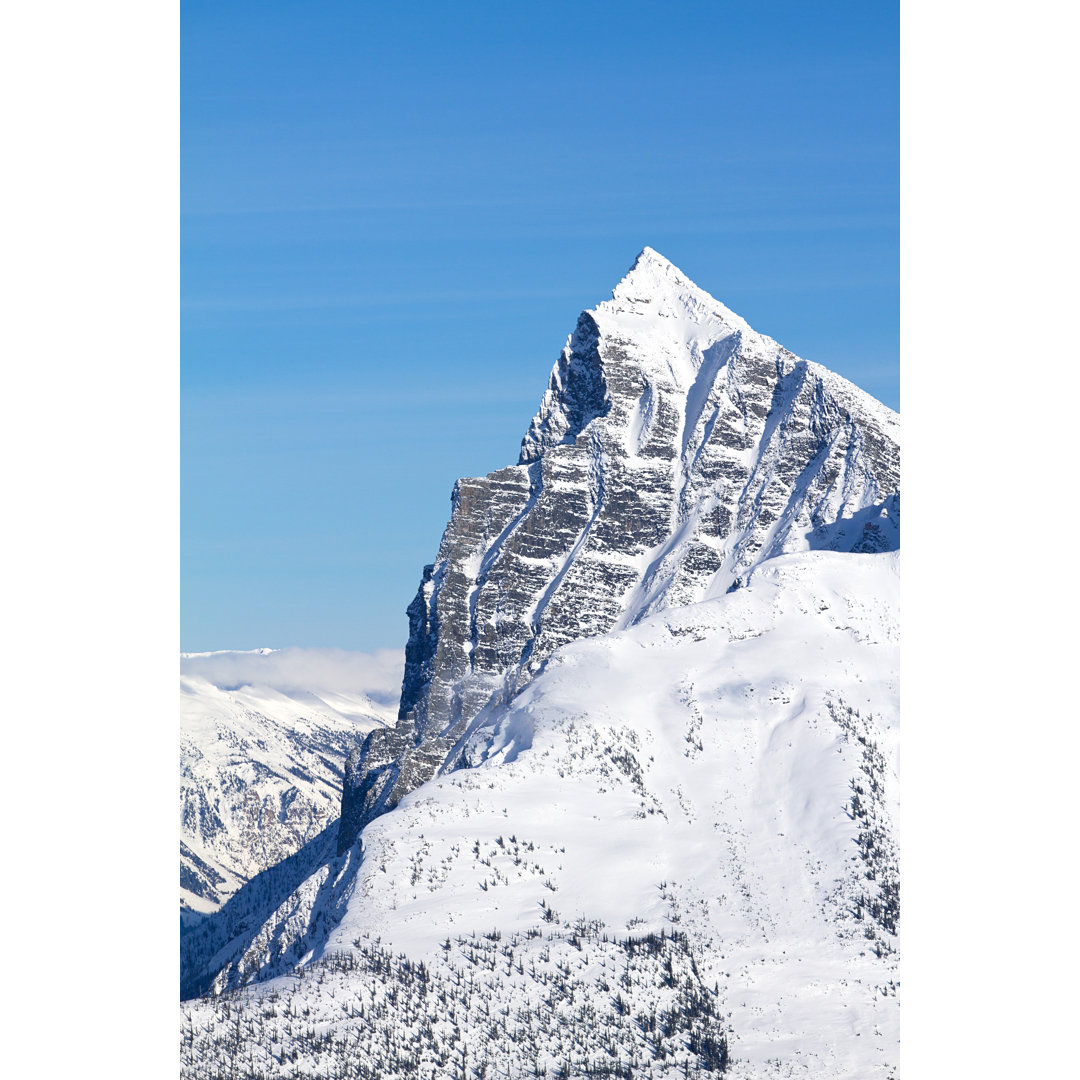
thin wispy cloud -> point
(377, 674)
(369, 300)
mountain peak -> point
(656, 286)
(674, 451)
(651, 275)
(651, 255)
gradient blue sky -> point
(392, 215)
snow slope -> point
(722, 774)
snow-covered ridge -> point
(225, 652)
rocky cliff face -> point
(674, 451)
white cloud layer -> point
(377, 674)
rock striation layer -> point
(674, 451)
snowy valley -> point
(260, 772)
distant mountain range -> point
(260, 771)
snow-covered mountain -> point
(674, 450)
(636, 817)
(260, 771)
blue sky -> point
(392, 216)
